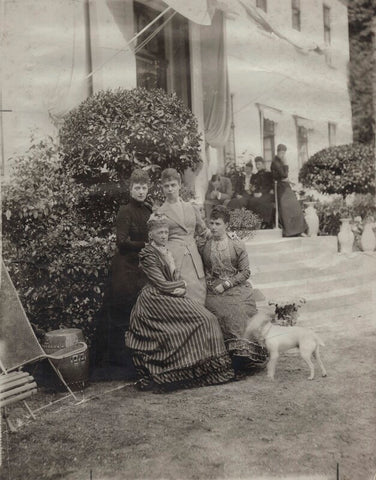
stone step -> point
(339, 298)
(314, 285)
(274, 257)
(258, 246)
(306, 268)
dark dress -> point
(227, 260)
(175, 341)
(290, 212)
(126, 281)
(263, 206)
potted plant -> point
(286, 311)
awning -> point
(202, 11)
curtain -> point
(216, 92)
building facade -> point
(263, 73)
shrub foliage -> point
(343, 169)
(58, 262)
(114, 131)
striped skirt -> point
(176, 341)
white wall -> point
(267, 70)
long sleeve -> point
(123, 241)
(200, 229)
(151, 268)
(278, 170)
(242, 265)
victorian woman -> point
(175, 341)
(184, 222)
(290, 212)
(126, 278)
(229, 296)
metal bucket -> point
(73, 364)
(62, 338)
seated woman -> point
(175, 341)
(261, 201)
(229, 296)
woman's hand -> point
(178, 292)
(219, 288)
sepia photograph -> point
(188, 240)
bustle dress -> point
(175, 341)
(227, 260)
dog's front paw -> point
(324, 374)
(311, 377)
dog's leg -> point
(317, 355)
(272, 364)
(306, 353)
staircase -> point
(310, 267)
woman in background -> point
(290, 212)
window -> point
(261, 4)
(269, 140)
(163, 60)
(295, 10)
(302, 145)
(332, 130)
(151, 62)
(327, 31)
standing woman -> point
(290, 212)
(184, 221)
(127, 279)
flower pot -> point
(312, 219)
(368, 239)
(345, 236)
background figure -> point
(229, 295)
(185, 222)
(219, 193)
(290, 212)
(175, 341)
(243, 189)
(261, 201)
(126, 278)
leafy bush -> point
(344, 169)
(57, 260)
(113, 131)
(243, 222)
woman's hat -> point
(157, 220)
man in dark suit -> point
(219, 193)
(261, 201)
(242, 188)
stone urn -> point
(345, 236)
(312, 219)
(368, 239)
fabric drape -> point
(217, 109)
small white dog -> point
(278, 339)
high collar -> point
(136, 203)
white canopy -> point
(202, 11)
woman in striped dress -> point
(175, 341)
